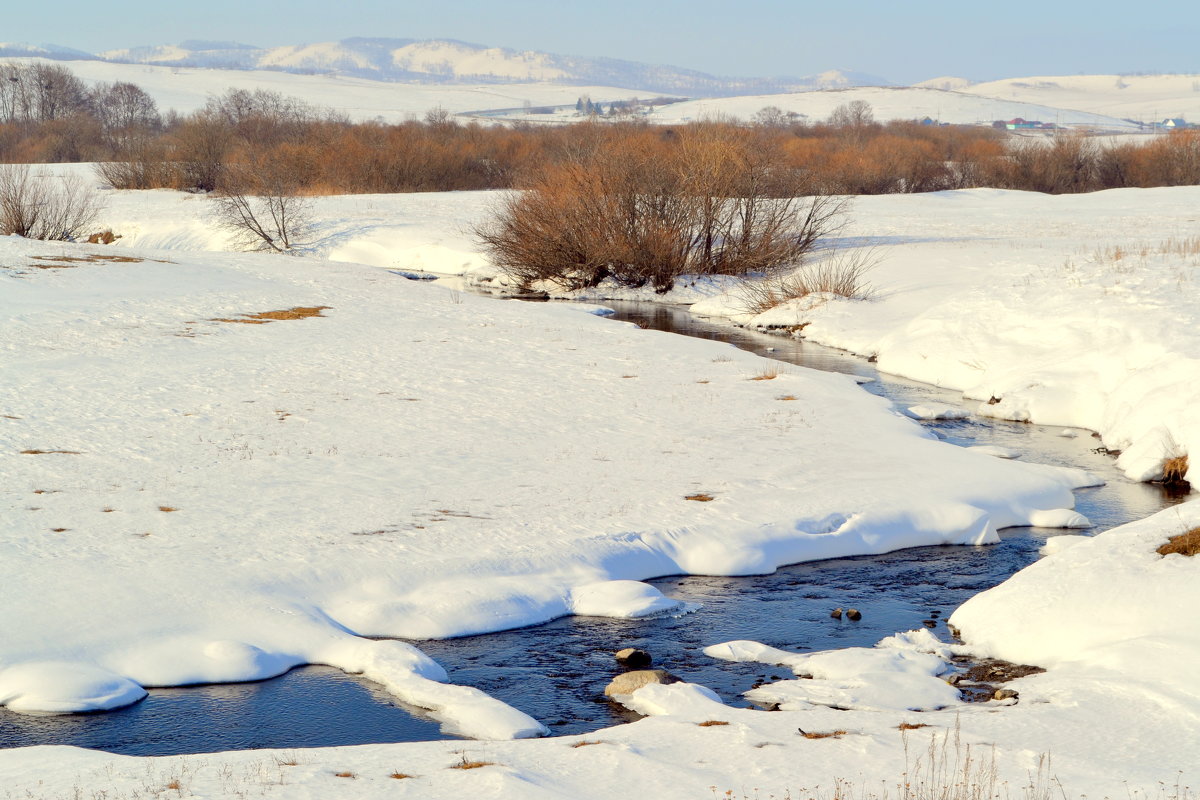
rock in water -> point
(854, 614)
(630, 682)
(632, 657)
(836, 613)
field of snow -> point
(189, 498)
(1148, 98)
(892, 103)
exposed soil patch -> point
(977, 682)
(68, 262)
(263, 317)
(1185, 544)
(822, 734)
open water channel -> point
(557, 671)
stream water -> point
(557, 671)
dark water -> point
(557, 671)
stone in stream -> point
(853, 614)
(630, 682)
(633, 658)
(836, 613)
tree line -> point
(47, 114)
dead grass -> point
(8, 416)
(464, 764)
(786, 397)
(823, 734)
(1184, 544)
(263, 317)
(1174, 469)
(174, 785)
(587, 743)
(699, 497)
(712, 723)
(398, 775)
(107, 510)
(68, 262)
(50, 452)
(345, 774)
(60, 530)
(912, 726)
(768, 374)
(167, 509)
(839, 272)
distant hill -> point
(446, 61)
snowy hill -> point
(1140, 97)
(891, 103)
(448, 61)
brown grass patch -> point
(629, 376)
(699, 497)
(587, 743)
(345, 774)
(786, 397)
(60, 530)
(67, 262)
(263, 317)
(464, 764)
(712, 723)
(1184, 544)
(50, 452)
(107, 510)
(912, 726)
(398, 775)
(1174, 469)
(167, 509)
(768, 374)
(174, 785)
(8, 416)
(823, 734)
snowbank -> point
(192, 500)
(1072, 310)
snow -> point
(894, 103)
(1070, 310)
(1149, 98)
(414, 462)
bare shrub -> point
(45, 207)
(259, 205)
(643, 209)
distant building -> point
(1172, 123)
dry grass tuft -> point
(398, 775)
(50, 452)
(712, 723)
(107, 510)
(464, 764)
(786, 397)
(912, 726)
(1185, 544)
(768, 374)
(699, 497)
(263, 317)
(586, 743)
(822, 734)
(8, 416)
(60, 530)
(1174, 469)
(167, 509)
(174, 785)
(345, 774)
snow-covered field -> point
(192, 499)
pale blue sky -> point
(901, 41)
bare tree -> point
(45, 207)
(259, 205)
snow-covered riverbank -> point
(193, 499)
